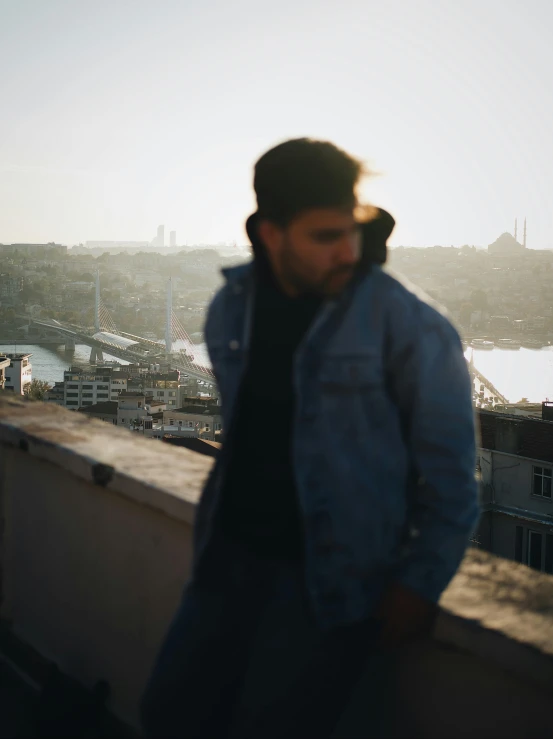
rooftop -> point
(524, 436)
(205, 410)
(18, 357)
(107, 408)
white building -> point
(19, 374)
(204, 420)
(4, 364)
(85, 387)
(135, 410)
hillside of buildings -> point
(53, 282)
(495, 293)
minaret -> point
(524, 240)
(516, 229)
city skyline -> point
(101, 139)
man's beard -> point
(296, 274)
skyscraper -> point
(172, 238)
(160, 239)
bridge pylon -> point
(96, 356)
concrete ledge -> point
(168, 480)
(96, 548)
(502, 611)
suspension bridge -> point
(106, 338)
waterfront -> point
(517, 374)
(50, 361)
(526, 373)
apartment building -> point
(167, 387)
(19, 373)
(515, 465)
(88, 387)
(204, 419)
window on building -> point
(171, 393)
(72, 387)
(87, 387)
(72, 402)
(160, 393)
(88, 395)
(534, 550)
(542, 482)
(518, 543)
(207, 427)
(172, 402)
(88, 402)
(102, 395)
(102, 387)
(72, 395)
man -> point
(344, 496)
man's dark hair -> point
(301, 174)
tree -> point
(36, 390)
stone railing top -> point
(163, 477)
(502, 611)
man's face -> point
(316, 253)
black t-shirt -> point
(259, 500)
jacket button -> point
(234, 345)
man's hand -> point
(405, 615)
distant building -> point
(160, 238)
(162, 386)
(505, 245)
(132, 410)
(10, 287)
(19, 374)
(4, 364)
(86, 388)
(56, 394)
(173, 238)
(116, 244)
(106, 411)
(204, 419)
(33, 250)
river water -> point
(517, 374)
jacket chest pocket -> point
(353, 391)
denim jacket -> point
(383, 440)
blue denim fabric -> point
(383, 440)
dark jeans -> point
(244, 658)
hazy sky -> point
(119, 115)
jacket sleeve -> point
(431, 382)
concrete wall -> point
(512, 479)
(92, 573)
(96, 549)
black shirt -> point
(259, 500)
